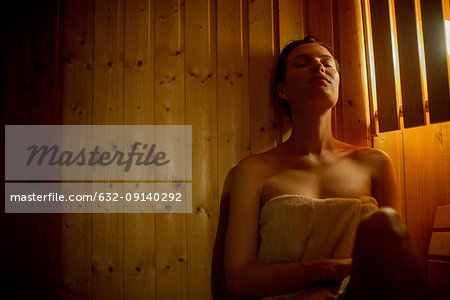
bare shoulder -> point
(250, 168)
(247, 177)
(374, 159)
(382, 172)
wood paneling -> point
(440, 244)
(108, 103)
(419, 155)
(16, 109)
(446, 159)
(320, 20)
(170, 106)
(46, 109)
(441, 220)
(354, 97)
(263, 46)
(392, 144)
(31, 94)
(204, 63)
(408, 55)
(384, 70)
(233, 120)
(292, 26)
(424, 181)
(139, 277)
(436, 60)
(201, 113)
(78, 53)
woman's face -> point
(311, 74)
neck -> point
(311, 133)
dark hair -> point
(281, 65)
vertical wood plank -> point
(201, 113)
(446, 159)
(107, 229)
(263, 44)
(46, 109)
(320, 20)
(369, 64)
(384, 70)
(233, 85)
(233, 126)
(139, 229)
(322, 24)
(292, 26)
(354, 96)
(412, 98)
(46, 55)
(16, 110)
(336, 113)
(78, 47)
(171, 256)
(436, 60)
(392, 144)
(16, 64)
(292, 23)
(424, 179)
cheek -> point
(336, 79)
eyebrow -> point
(308, 56)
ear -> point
(281, 91)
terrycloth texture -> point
(298, 228)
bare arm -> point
(384, 182)
(218, 286)
(244, 276)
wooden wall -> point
(421, 156)
(207, 63)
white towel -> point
(299, 228)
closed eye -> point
(328, 63)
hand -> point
(331, 269)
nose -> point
(318, 67)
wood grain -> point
(436, 60)
(354, 96)
(170, 108)
(412, 98)
(139, 276)
(424, 181)
(201, 113)
(108, 102)
(77, 104)
(263, 46)
(384, 69)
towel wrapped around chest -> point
(296, 228)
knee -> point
(386, 223)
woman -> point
(303, 171)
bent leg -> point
(385, 263)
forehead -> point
(309, 49)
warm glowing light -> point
(395, 55)
(420, 46)
(371, 65)
(447, 35)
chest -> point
(344, 179)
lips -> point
(320, 78)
